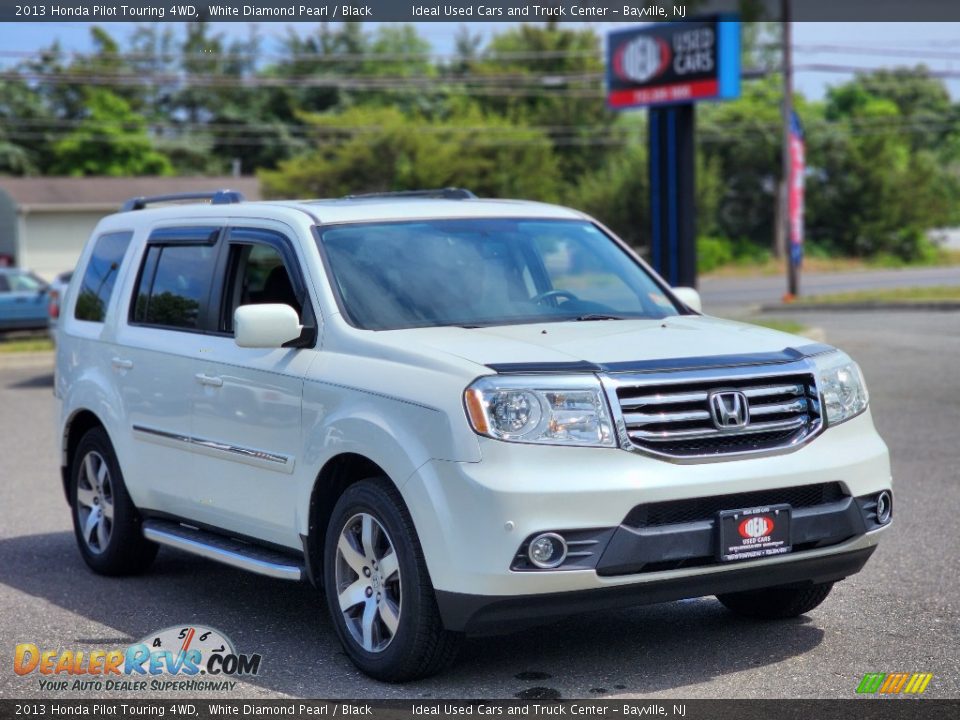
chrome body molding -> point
(252, 456)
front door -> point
(247, 425)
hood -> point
(601, 342)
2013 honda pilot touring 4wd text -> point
(452, 415)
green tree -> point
(377, 149)
(741, 141)
(872, 190)
(548, 77)
(110, 140)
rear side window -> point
(174, 285)
(101, 276)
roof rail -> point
(448, 193)
(216, 197)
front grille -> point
(676, 418)
(672, 512)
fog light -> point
(884, 507)
(547, 551)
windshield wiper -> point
(598, 316)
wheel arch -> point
(78, 425)
(337, 474)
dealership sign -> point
(671, 63)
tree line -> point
(521, 114)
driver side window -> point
(257, 275)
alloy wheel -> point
(368, 582)
(95, 502)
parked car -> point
(23, 300)
(454, 415)
(55, 295)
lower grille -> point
(673, 512)
(704, 417)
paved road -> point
(901, 613)
(721, 293)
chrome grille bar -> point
(752, 428)
(672, 414)
(665, 417)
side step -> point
(235, 553)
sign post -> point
(668, 67)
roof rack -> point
(216, 197)
(448, 193)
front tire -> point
(776, 603)
(105, 521)
(378, 590)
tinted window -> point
(100, 276)
(174, 285)
(486, 272)
(258, 275)
(4, 284)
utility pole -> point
(793, 280)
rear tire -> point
(106, 523)
(378, 590)
(776, 603)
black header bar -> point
(465, 11)
(202, 709)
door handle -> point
(121, 364)
(209, 380)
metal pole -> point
(793, 281)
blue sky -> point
(873, 44)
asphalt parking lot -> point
(902, 613)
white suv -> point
(453, 415)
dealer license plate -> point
(753, 533)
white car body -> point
(237, 439)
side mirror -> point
(265, 326)
(689, 297)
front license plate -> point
(754, 532)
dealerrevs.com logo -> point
(175, 658)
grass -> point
(771, 266)
(25, 344)
(934, 293)
(787, 326)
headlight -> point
(842, 387)
(565, 410)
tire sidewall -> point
(365, 496)
(97, 440)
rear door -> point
(156, 359)
(247, 413)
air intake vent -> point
(697, 418)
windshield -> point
(479, 272)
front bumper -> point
(473, 517)
(482, 614)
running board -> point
(220, 548)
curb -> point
(938, 306)
(27, 359)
